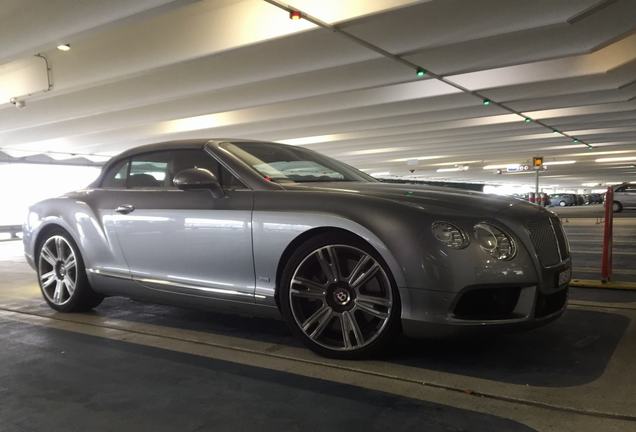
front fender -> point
(273, 231)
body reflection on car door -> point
(189, 242)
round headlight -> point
(494, 241)
(450, 235)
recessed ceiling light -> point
(64, 47)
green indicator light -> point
(528, 120)
(420, 72)
(486, 102)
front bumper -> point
(434, 313)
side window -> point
(150, 170)
(184, 159)
(620, 189)
(116, 176)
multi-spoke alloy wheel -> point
(57, 270)
(62, 275)
(340, 298)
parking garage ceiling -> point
(497, 79)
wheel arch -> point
(620, 206)
(46, 230)
(306, 235)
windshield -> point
(283, 163)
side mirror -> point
(198, 178)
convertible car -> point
(265, 228)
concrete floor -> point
(130, 366)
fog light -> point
(494, 241)
(450, 235)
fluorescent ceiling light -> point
(309, 140)
(596, 153)
(380, 174)
(455, 163)
(419, 158)
(501, 166)
(591, 184)
(372, 151)
(64, 47)
(616, 159)
(567, 162)
(333, 11)
(455, 169)
(207, 121)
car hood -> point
(422, 195)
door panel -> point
(629, 196)
(189, 242)
(100, 245)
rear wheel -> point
(338, 296)
(562, 203)
(62, 276)
(617, 207)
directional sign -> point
(537, 162)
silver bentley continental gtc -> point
(265, 228)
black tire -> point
(83, 297)
(383, 337)
(617, 207)
(562, 203)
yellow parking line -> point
(589, 283)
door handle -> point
(125, 208)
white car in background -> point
(624, 197)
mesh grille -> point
(544, 241)
(560, 235)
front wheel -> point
(617, 207)
(62, 275)
(562, 203)
(338, 296)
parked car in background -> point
(597, 198)
(593, 199)
(624, 197)
(562, 200)
(580, 200)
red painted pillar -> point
(606, 259)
